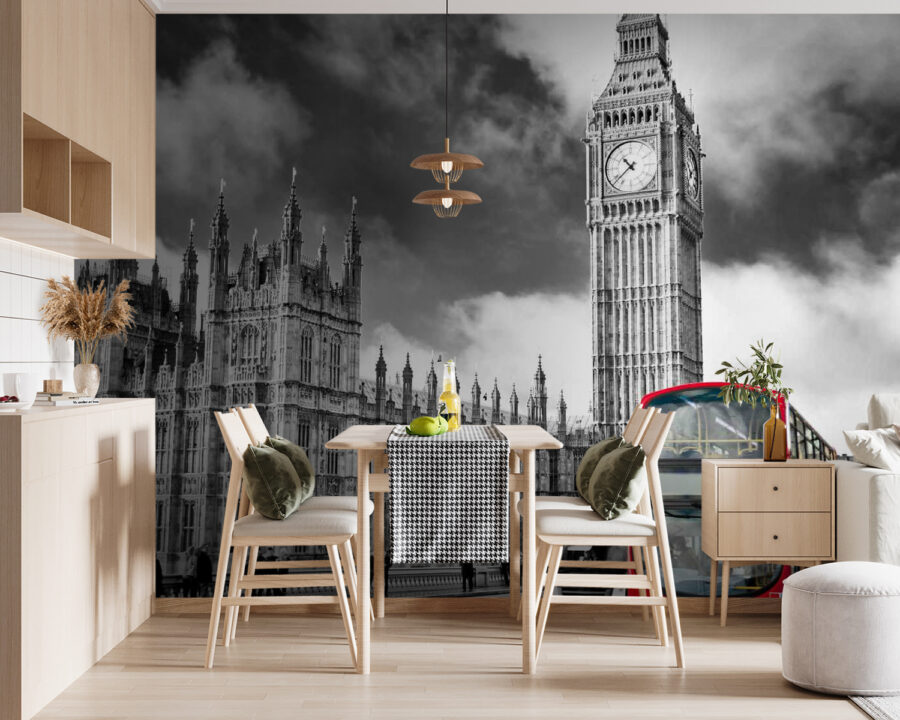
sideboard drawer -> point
(774, 490)
(775, 535)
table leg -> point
(378, 550)
(364, 626)
(726, 580)
(713, 577)
(528, 566)
(514, 554)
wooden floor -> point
(451, 665)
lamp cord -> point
(446, 69)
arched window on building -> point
(306, 355)
(334, 362)
(249, 345)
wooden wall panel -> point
(10, 106)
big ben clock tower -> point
(645, 219)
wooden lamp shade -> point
(445, 202)
(446, 164)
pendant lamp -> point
(446, 167)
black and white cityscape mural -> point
(658, 193)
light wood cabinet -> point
(78, 126)
(77, 542)
(756, 511)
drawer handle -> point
(775, 488)
(774, 537)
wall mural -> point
(294, 272)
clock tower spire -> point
(645, 224)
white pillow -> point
(876, 448)
(884, 410)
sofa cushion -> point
(884, 410)
(300, 461)
(589, 462)
(618, 482)
(271, 481)
(876, 448)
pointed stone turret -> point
(218, 254)
(380, 384)
(476, 401)
(324, 274)
(187, 299)
(432, 385)
(291, 241)
(514, 406)
(407, 391)
(540, 395)
(561, 416)
(496, 415)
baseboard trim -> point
(494, 605)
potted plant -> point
(759, 381)
(86, 317)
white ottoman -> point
(840, 628)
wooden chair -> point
(256, 429)
(557, 528)
(633, 433)
(330, 528)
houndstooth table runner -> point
(449, 496)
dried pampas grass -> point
(86, 316)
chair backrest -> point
(254, 424)
(637, 424)
(235, 435)
(655, 435)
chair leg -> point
(237, 610)
(672, 604)
(335, 560)
(636, 556)
(251, 570)
(351, 549)
(662, 631)
(655, 611)
(555, 556)
(350, 573)
(233, 580)
(543, 557)
(216, 611)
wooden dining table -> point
(370, 444)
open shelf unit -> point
(63, 181)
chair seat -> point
(556, 502)
(576, 522)
(306, 522)
(334, 502)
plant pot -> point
(775, 437)
(87, 379)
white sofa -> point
(868, 513)
(868, 498)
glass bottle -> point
(450, 398)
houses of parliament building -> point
(278, 331)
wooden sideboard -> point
(756, 512)
(77, 542)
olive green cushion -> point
(299, 459)
(590, 460)
(618, 482)
(271, 481)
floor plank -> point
(441, 666)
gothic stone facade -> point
(645, 221)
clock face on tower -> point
(631, 166)
(691, 174)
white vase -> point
(87, 379)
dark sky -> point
(799, 121)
